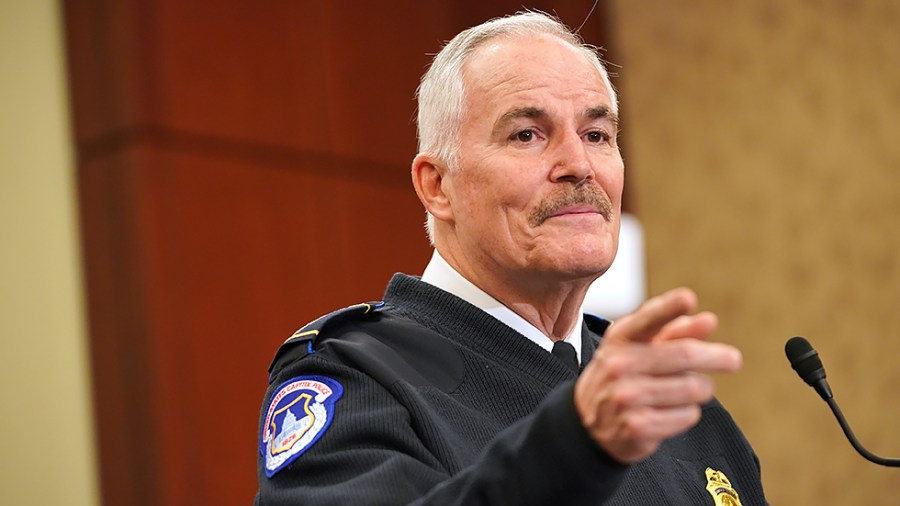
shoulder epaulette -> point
(597, 324)
(301, 342)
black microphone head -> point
(805, 360)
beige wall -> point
(45, 428)
(762, 138)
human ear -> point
(430, 181)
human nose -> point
(570, 160)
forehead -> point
(531, 68)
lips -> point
(577, 209)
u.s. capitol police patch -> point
(299, 413)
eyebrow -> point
(518, 112)
(601, 112)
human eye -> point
(523, 136)
(597, 136)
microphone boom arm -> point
(871, 457)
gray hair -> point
(441, 93)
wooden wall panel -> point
(243, 168)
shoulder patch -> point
(299, 413)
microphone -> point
(805, 360)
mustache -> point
(589, 194)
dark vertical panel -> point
(120, 330)
(243, 168)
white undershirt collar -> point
(442, 275)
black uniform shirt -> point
(428, 400)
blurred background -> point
(184, 183)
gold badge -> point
(720, 488)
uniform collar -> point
(442, 275)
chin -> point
(581, 262)
(586, 270)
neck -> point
(554, 312)
(548, 301)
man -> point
(454, 391)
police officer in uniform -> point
(482, 382)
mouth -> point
(582, 209)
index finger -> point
(699, 326)
(649, 319)
(682, 355)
